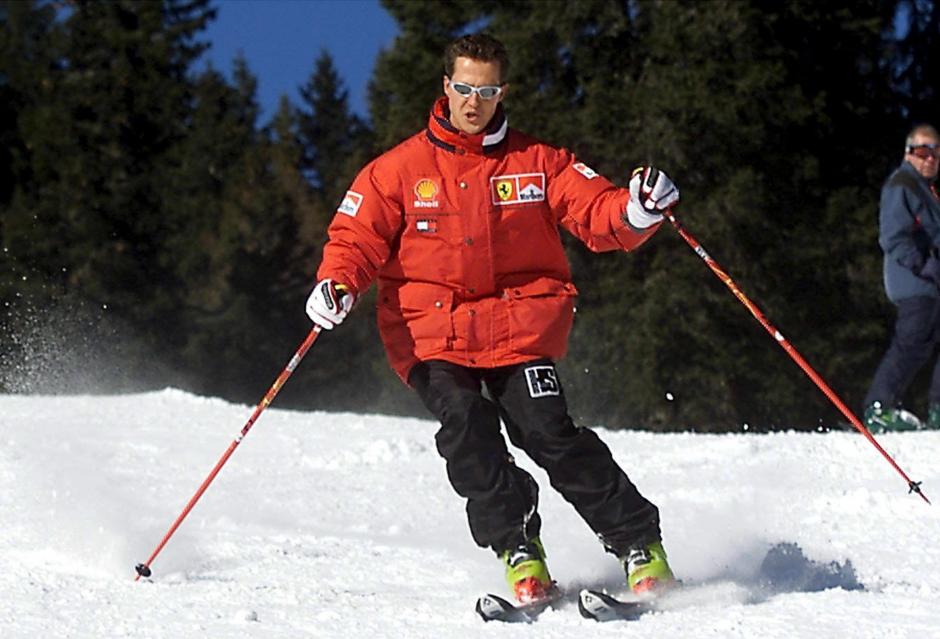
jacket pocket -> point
(430, 246)
(420, 310)
(540, 316)
(541, 287)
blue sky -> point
(281, 39)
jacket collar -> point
(445, 135)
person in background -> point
(909, 235)
(460, 225)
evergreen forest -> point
(156, 232)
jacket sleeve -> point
(590, 206)
(363, 230)
(897, 222)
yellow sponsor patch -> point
(426, 191)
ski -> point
(494, 608)
(600, 606)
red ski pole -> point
(913, 487)
(143, 570)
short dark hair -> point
(477, 46)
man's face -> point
(925, 161)
(472, 113)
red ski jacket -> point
(462, 233)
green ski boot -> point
(647, 569)
(881, 419)
(527, 573)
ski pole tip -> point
(914, 487)
(143, 570)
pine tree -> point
(740, 103)
(31, 48)
(84, 218)
(336, 144)
(332, 135)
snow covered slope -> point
(343, 525)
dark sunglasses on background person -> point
(924, 151)
(487, 92)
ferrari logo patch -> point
(504, 190)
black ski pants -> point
(502, 499)
(914, 343)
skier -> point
(909, 235)
(460, 226)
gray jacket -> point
(909, 229)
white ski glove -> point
(651, 191)
(329, 304)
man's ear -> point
(444, 82)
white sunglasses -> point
(487, 92)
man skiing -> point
(459, 225)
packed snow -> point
(343, 525)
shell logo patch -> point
(426, 191)
(518, 189)
(350, 204)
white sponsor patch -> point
(350, 204)
(517, 189)
(542, 381)
(584, 170)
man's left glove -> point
(329, 303)
(651, 191)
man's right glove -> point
(329, 304)
(651, 191)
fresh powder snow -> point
(344, 525)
